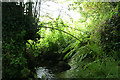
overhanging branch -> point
(60, 30)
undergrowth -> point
(90, 45)
(84, 45)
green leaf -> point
(66, 55)
(36, 54)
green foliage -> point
(92, 60)
(16, 28)
(98, 58)
(25, 72)
(91, 44)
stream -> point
(45, 73)
(55, 71)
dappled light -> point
(53, 9)
(61, 39)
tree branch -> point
(62, 31)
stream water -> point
(45, 73)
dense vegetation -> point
(17, 28)
(90, 45)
